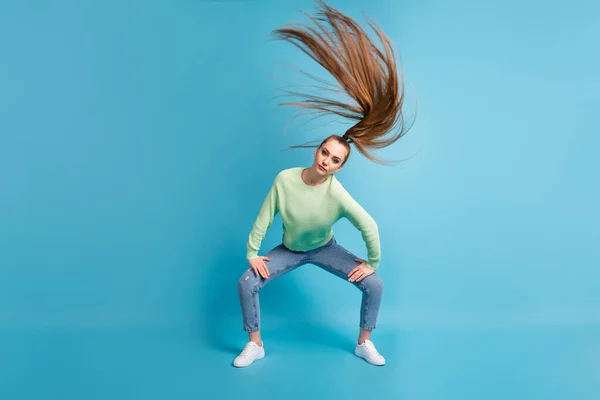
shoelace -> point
(371, 349)
(249, 349)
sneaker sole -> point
(370, 362)
(250, 363)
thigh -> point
(335, 259)
(283, 260)
(339, 261)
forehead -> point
(335, 149)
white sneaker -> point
(368, 351)
(251, 352)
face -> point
(329, 158)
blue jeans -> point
(331, 257)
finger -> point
(265, 270)
(360, 273)
(256, 269)
(353, 270)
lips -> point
(323, 169)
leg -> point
(339, 261)
(282, 261)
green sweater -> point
(308, 214)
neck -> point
(312, 177)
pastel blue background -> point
(139, 138)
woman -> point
(311, 200)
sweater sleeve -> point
(263, 222)
(362, 221)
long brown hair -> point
(364, 72)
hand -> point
(360, 272)
(259, 266)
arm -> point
(366, 225)
(262, 223)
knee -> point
(373, 283)
(248, 282)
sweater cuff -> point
(372, 265)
